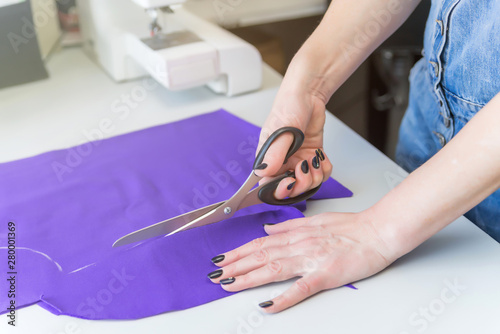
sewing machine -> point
(134, 38)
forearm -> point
(456, 179)
(348, 33)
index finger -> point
(256, 245)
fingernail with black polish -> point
(304, 167)
(317, 155)
(218, 258)
(320, 154)
(227, 281)
(315, 162)
(290, 186)
(266, 304)
(261, 166)
(215, 274)
(267, 224)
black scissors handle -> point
(266, 192)
(298, 140)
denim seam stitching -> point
(461, 98)
(441, 52)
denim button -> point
(442, 140)
(447, 122)
(436, 67)
(441, 26)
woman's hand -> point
(303, 109)
(327, 251)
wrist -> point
(312, 73)
(385, 231)
(299, 80)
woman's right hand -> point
(303, 109)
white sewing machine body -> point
(189, 51)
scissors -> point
(243, 198)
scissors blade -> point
(204, 216)
(243, 198)
(166, 226)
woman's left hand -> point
(327, 251)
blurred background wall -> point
(373, 100)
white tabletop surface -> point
(412, 296)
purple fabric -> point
(69, 206)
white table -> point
(54, 113)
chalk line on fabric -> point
(38, 252)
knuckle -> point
(234, 254)
(309, 264)
(308, 185)
(283, 240)
(257, 243)
(229, 271)
(316, 282)
(291, 237)
(264, 134)
(316, 220)
(317, 180)
(241, 282)
(261, 255)
(275, 267)
(302, 286)
(305, 180)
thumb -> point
(275, 155)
